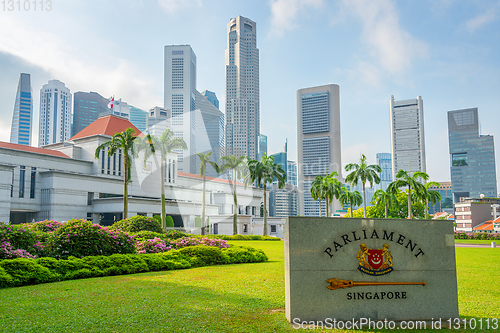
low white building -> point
(63, 181)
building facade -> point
(242, 88)
(472, 156)
(22, 118)
(291, 173)
(87, 107)
(139, 118)
(407, 135)
(158, 121)
(55, 113)
(384, 161)
(283, 201)
(446, 203)
(212, 97)
(63, 181)
(318, 141)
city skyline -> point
(446, 52)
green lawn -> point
(476, 241)
(232, 298)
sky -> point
(447, 51)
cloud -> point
(393, 47)
(171, 6)
(284, 13)
(91, 71)
(480, 20)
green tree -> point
(350, 198)
(263, 172)
(430, 196)
(364, 173)
(204, 159)
(240, 169)
(123, 141)
(385, 198)
(317, 190)
(406, 179)
(164, 144)
(326, 187)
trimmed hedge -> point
(22, 271)
(138, 223)
(476, 235)
(243, 237)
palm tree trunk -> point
(203, 207)
(235, 205)
(162, 191)
(265, 210)
(426, 210)
(319, 201)
(125, 186)
(327, 208)
(352, 213)
(409, 203)
(364, 201)
(386, 211)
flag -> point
(111, 103)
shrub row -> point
(477, 235)
(243, 237)
(23, 271)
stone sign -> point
(347, 268)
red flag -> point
(111, 103)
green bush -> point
(205, 255)
(241, 237)
(21, 271)
(138, 223)
(143, 235)
(19, 237)
(27, 271)
(170, 221)
(81, 238)
(175, 234)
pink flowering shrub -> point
(155, 245)
(476, 235)
(81, 238)
(8, 252)
(14, 238)
(191, 241)
(44, 226)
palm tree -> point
(164, 144)
(123, 141)
(350, 198)
(364, 173)
(264, 172)
(204, 159)
(430, 196)
(238, 165)
(317, 190)
(387, 198)
(406, 179)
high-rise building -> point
(472, 156)
(22, 119)
(242, 88)
(55, 113)
(212, 98)
(446, 203)
(262, 146)
(318, 141)
(158, 121)
(291, 172)
(193, 117)
(283, 201)
(87, 107)
(407, 135)
(385, 163)
(139, 118)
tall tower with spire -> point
(22, 119)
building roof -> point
(488, 225)
(220, 180)
(44, 151)
(108, 125)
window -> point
(21, 181)
(33, 182)
(12, 185)
(459, 159)
(90, 198)
(245, 228)
(273, 228)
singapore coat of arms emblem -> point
(374, 261)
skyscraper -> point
(318, 141)
(193, 117)
(384, 162)
(472, 156)
(22, 119)
(212, 98)
(139, 118)
(262, 146)
(407, 135)
(242, 88)
(55, 113)
(88, 106)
